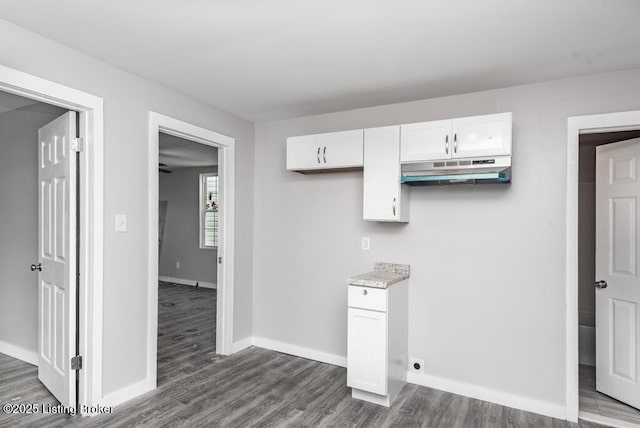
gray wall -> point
(19, 225)
(487, 287)
(127, 102)
(181, 242)
(587, 236)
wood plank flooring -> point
(594, 402)
(253, 388)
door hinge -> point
(219, 260)
(76, 362)
(77, 145)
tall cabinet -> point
(385, 199)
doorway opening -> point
(596, 180)
(66, 155)
(191, 237)
(188, 225)
(602, 251)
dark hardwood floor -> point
(253, 388)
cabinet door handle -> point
(455, 143)
(394, 207)
(318, 154)
(365, 292)
(446, 145)
(324, 154)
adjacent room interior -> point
(20, 120)
(188, 225)
(592, 402)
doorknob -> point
(37, 267)
(601, 284)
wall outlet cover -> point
(366, 244)
(416, 365)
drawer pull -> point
(364, 292)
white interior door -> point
(618, 287)
(57, 257)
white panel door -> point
(425, 141)
(57, 256)
(367, 350)
(381, 176)
(488, 135)
(617, 217)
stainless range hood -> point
(485, 170)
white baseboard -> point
(587, 345)
(190, 282)
(241, 344)
(299, 351)
(606, 421)
(546, 408)
(19, 353)
(127, 393)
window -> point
(208, 210)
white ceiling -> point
(176, 153)
(275, 59)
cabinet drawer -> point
(374, 299)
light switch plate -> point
(121, 222)
(366, 244)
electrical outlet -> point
(366, 244)
(416, 365)
(121, 222)
(177, 265)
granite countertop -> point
(382, 276)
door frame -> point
(225, 287)
(577, 125)
(91, 182)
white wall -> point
(181, 242)
(127, 102)
(19, 225)
(487, 287)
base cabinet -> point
(377, 349)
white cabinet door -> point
(381, 178)
(488, 135)
(367, 350)
(334, 150)
(425, 141)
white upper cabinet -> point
(385, 199)
(477, 136)
(488, 135)
(425, 141)
(331, 151)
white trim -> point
(19, 353)
(226, 173)
(502, 398)
(191, 282)
(91, 213)
(587, 341)
(608, 122)
(299, 351)
(242, 344)
(606, 421)
(127, 393)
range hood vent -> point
(487, 170)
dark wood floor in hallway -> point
(253, 388)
